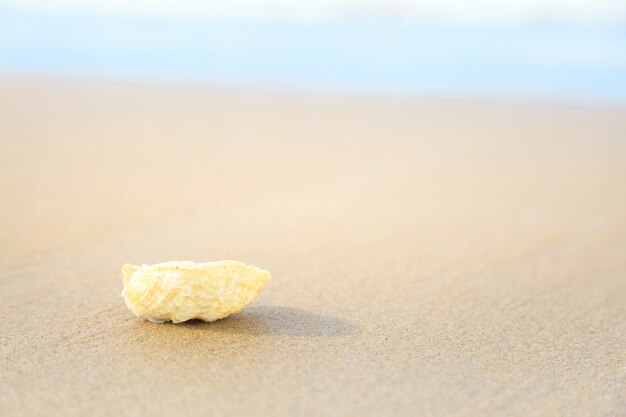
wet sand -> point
(429, 257)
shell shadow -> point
(277, 321)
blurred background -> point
(573, 50)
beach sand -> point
(429, 257)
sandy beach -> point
(429, 257)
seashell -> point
(183, 290)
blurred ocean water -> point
(349, 54)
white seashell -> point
(184, 290)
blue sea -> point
(379, 56)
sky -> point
(554, 49)
(599, 12)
